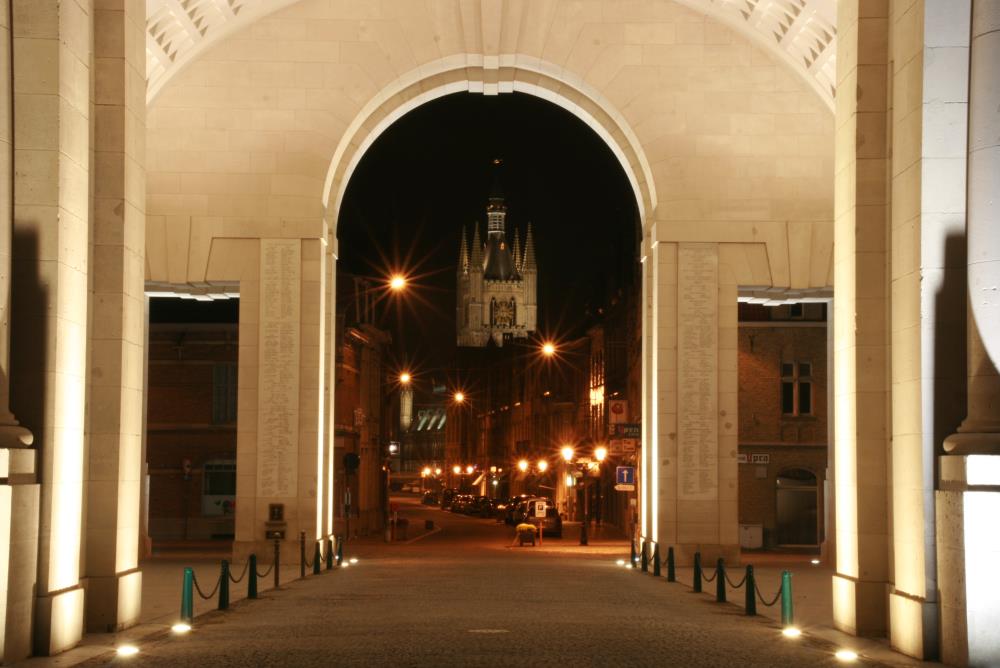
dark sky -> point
(429, 175)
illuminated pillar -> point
(859, 320)
(117, 354)
(18, 486)
(52, 86)
(968, 500)
(330, 338)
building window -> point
(224, 393)
(796, 388)
(219, 488)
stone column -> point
(689, 426)
(18, 486)
(859, 320)
(52, 84)
(117, 342)
(330, 339)
(968, 500)
(280, 420)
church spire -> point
(517, 251)
(477, 250)
(463, 254)
(529, 252)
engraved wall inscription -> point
(698, 371)
(278, 376)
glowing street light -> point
(397, 282)
(456, 469)
(567, 453)
(600, 452)
(459, 397)
(469, 469)
(523, 465)
(426, 471)
(548, 349)
(404, 378)
(543, 465)
(437, 471)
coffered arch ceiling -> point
(799, 32)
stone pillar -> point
(330, 339)
(117, 342)
(968, 500)
(690, 429)
(280, 420)
(52, 84)
(859, 320)
(929, 50)
(18, 485)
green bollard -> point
(302, 555)
(751, 592)
(329, 553)
(671, 568)
(317, 559)
(340, 550)
(252, 582)
(224, 586)
(787, 618)
(645, 556)
(187, 596)
(720, 581)
(656, 560)
(696, 582)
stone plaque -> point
(278, 374)
(698, 371)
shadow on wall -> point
(29, 341)
(950, 345)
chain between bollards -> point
(187, 596)
(224, 586)
(696, 581)
(656, 560)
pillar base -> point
(859, 606)
(58, 621)
(968, 547)
(114, 602)
(19, 507)
(684, 554)
(913, 625)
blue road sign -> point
(625, 475)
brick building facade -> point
(782, 425)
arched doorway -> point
(797, 508)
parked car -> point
(480, 505)
(509, 507)
(430, 499)
(447, 496)
(551, 525)
(526, 508)
(461, 503)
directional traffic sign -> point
(625, 475)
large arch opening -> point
(446, 196)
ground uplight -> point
(127, 650)
(846, 655)
(791, 632)
(353, 560)
(180, 627)
(814, 562)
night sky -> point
(430, 174)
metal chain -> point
(198, 587)
(761, 598)
(736, 586)
(308, 563)
(243, 575)
(709, 579)
(265, 573)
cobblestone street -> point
(462, 596)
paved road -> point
(463, 597)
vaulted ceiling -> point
(800, 32)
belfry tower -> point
(497, 282)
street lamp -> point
(543, 465)
(548, 349)
(585, 465)
(567, 453)
(397, 282)
(404, 378)
(523, 465)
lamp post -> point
(585, 466)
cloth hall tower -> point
(497, 284)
